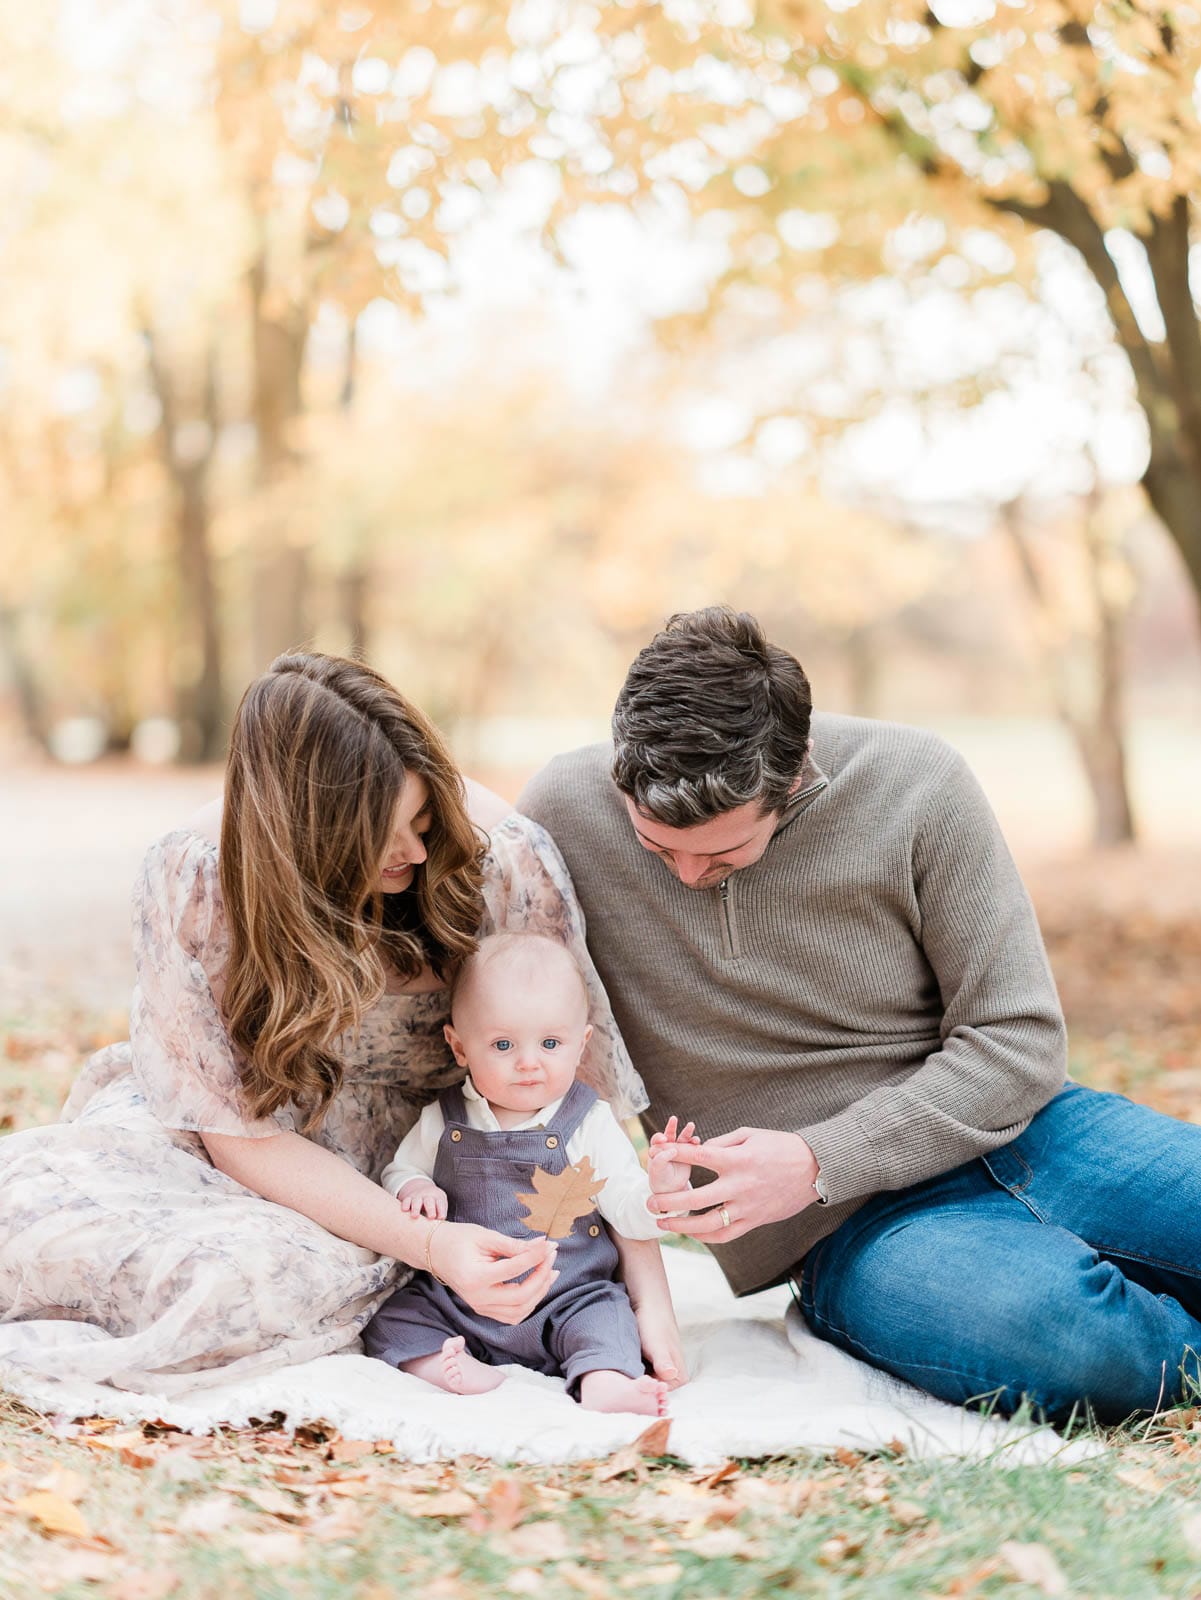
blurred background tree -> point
(334, 326)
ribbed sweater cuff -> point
(849, 1165)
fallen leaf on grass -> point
(1183, 1418)
(53, 1513)
(1034, 1563)
(583, 1579)
(536, 1541)
(1190, 1531)
(709, 1479)
(524, 1580)
(1141, 1478)
(343, 1522)
(831, 1551)
(449, 1503)
(967, 1581)
(354, 1449)
(275, 1549)
(649, 1576)
(677, 1505)
(179, 1466)
(907, 1512)
(125, 1439)
(786, 1499)
(302, 1479)
(62, 1481)
(78, 1566)
(651, 1441)
(212, 1515)
(720, 1542)
(348, 1486)
(143, 1585)
(275, 1503)
(502, 1507)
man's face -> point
(701, 856)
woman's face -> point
(410, 822)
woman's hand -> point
(479, 1265)
(421, 1198)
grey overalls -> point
(585, 1323)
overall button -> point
(552, 1143)
(593, 1231)
(455, 1135)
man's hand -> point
(762, 1176)
(422, 1198)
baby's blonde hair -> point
(527, 954)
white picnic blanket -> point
(761, 1385)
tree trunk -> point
(1164, 372)
(353, 586)
(188, 457)
(1098, 731)
(1103, 755)
(25, 685)
(863, 671)
(280, 620)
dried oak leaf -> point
(560, 1198)
(53, 1513)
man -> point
(820, 949)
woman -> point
(207, 1208)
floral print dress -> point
(126, 1257)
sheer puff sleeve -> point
(183, 1060)
(527, 888)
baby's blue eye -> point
(550, 1044)
(503, 1044)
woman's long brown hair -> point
(320, 751)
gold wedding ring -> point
(724, 1215)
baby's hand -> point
(421, 1198)
(668, 1176)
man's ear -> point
(456, 1044)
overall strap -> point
(454, 1106)
(577, 1103)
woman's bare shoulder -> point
(207, 821)
(484, 806)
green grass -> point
(882, 1526)
(255, 1514)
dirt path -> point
(71, 841)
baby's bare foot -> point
(613, 1391)
(463, 1373)
(452, 1369)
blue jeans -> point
(1064, 1268)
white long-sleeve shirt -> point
(600, 1137)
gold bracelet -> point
(429, 1265)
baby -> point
(519, 1024)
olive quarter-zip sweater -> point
(876, 981)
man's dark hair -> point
(710, 716)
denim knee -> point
(1105, 1344)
